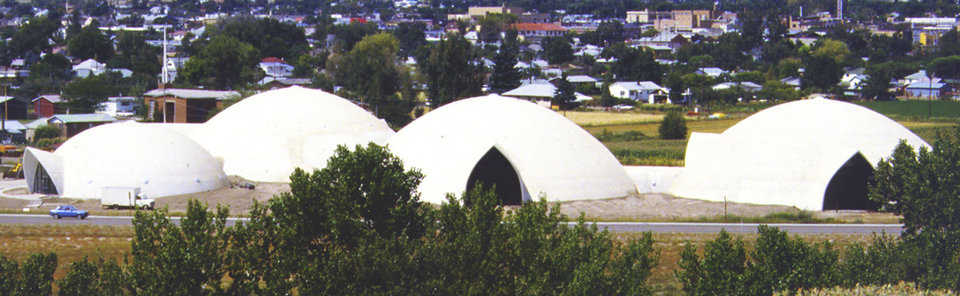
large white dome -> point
(790, 153)
(158, 161)
(264, 137)
(526, 149)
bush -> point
(46, 132)
(778, 263)
(673, 127)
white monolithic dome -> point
(156, 160)
(264, 137)
(524, 149)
(813, 154)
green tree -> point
(633, 64)
(90, 43)
(33, 37)
(505, 74)
(721, 270)
(185, 259)
(557, 50)
(135, 54)
(877, 86)
(673, 126)
(36, 274)
(264, 34)
(223, 63)
(371, 71)
(411, 36)
(945, 67)
(565, 94)
(46, 132)
(453, 71)
(780, 263)
(821, 71)
(85, 94)
(918, 185)
(82, 279)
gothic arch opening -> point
(42, 182)
(494, 169)
(847, 189)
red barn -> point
(45, 105)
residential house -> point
(275, 67)
(480, 11)
(791, 81)
(15, 132)
(927, 88)
(274, 82)
(88, 68)
(747, 86)
(175, 105)
(711, 72)
(646, 91)
(117, 106)
(584, 81)
(47, 105)
(538, 30)
(72, 124)
(541, 93)
(32, 127)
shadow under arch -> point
(847, 189)
(494, 170)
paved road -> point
(91, 220)
(612, 226)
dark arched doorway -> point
(42, 183)
(848, 187)
(494, 169)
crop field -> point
(916, 109)
(587, 118)
(70, 242)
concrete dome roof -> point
(482, 138)
(264, 137)
(788, 154)
(159, 161)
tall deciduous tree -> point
(224, 62)
(633, 64)
(453, 71)
(557, 50)
(91, 43)
(565, 94)
(505, 74)
(371, 72)
(84, 94)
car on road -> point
(68, 211)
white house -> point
(275, 67)
(711, 71)
(746, 86)
(638, 91)
(89, 67)
(117, 106)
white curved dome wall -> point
(264, 137)
(786, 154)
(551, 155)
(159, 161)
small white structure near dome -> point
(264, 137)
(813, 154)
(525, 149)
(156, 160)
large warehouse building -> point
(526, 150)
(814, 154)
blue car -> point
(68, 211)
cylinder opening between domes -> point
(494, 170)
(847, 189)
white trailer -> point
(124, 197)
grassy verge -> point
(70, 242)
(916, 110)
(898, 289)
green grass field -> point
(917, 110)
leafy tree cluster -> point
(633, 64)
(673, 126)
(270, 37)
(90, 43)
(778, 263)
(357, 227)
(505, 74)
(33, 277)
(223, 63)
(370, 71)
(452, 70)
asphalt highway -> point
(657, 227)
